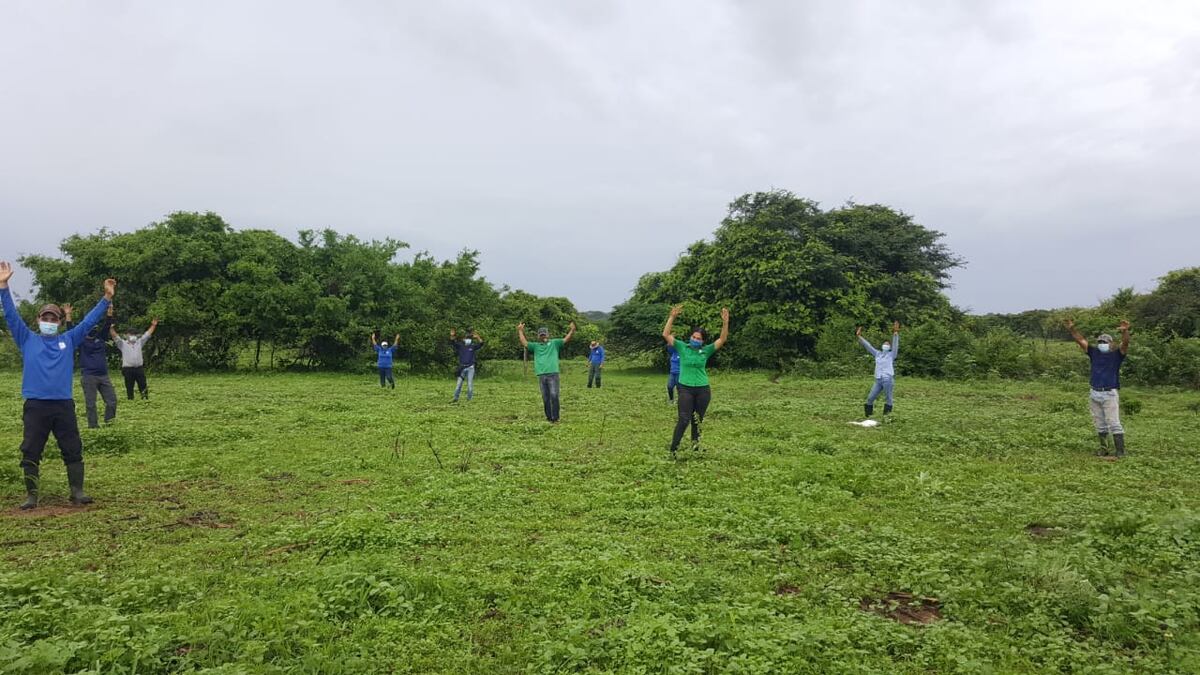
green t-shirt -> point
(545, 356)
(693, 363)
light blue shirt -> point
(885, 362)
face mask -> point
(130, 338)
(696, 343)
(48, 328)
(1103, 347)
(467, 341)
(886, 348)
(383, 344)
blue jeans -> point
(672, 382)
(469, 374)
(385, 378)
(549, 386)
(884, 385)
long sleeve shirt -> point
(48, 361)
(93, 352)
(885, 361)
(466, 352)
(596, 355)
(131, 350)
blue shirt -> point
(674, 355)
(93, 352)
(385, 356)
(597, 355)
(885, 361)
(48, 361)
(1106, 367)
(466, 352)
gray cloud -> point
(578, 145)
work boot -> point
(1103, 451)
(1119, 442)
(868, 409)
(887, 408)
(75, 480)
(146, 394)
(31, 488)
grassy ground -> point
(303, 522)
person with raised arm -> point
(93, 367)
(595, 363)
(384, 355)
(885, 369)
(694, 391)
(1105, 396)
(47, 366)
(465, 348)
(133, 363)
(545, 365)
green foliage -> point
(786, 268)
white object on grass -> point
(865, 423)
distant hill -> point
(596, 317)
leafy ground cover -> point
(317, 523)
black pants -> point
(385, 377)
(136, 374)
(549, 386)
(594, 373)
(43, 418)
(693, 403)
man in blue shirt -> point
(48, 362)
(673, 376)
(885, 369)
(595, 363)
(465, 349)
(1105, 397)
(384, 354)
(93, 364)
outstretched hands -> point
(1124, 326)
(110, 287)
(858, 332)
(725, 314)
(1070, 324)
(895, 326)
(6, 272)
(676, 310)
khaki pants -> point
(1106, 411)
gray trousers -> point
(99, 383)
(1106, 411)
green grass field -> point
(303, 523)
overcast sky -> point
(578, 145)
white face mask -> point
(383, 344)
(886, 347)
(48, 328)
(1103, 347)
(467, 341)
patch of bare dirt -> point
(786, 589)
(210, 519)
(904, 607)
(356, 481)
(286, 475)
(47, 511)
(1041, 530)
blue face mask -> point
(696, 343)
(48, 328)
(1103, 347)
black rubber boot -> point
(868, 409)
(31, 487)
(1119, 442)
(75, 480)
(887, 409)
(1103, 451)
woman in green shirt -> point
(694, 393)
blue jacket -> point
(93, 352)
(674, 360)
(597, 355)
(885, 361)
(384, 359)
(48, 360)
(466, 352)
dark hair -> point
(703, 333)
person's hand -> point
(110, 309)
(725, 314)
(453, 332)
(153, 322)
(6, 272)
(572, 325)
(67, 309)
(110, 287)
(1070, 323)
(895, 326)
(521, 326)
(475, 334)
(676, 311)
(1124, 326)
(858, 332)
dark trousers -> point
(42, 418)
(549, 386)
(93, 384)
(133, 375)
(693, 403)
(385, 378)
(594, 373)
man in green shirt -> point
(545, 364)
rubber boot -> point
(887, 408)
(868, 409)
(1119, 442)
(75, 480)
(31, 487)
(1103, 451)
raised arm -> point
(1079, 339)
(1124, 337)
(149, 332)
(724, 329)
(895, 339)
(863, 341)
(16, 327)
(112, 331)
(478, 339)
(396, 340)
(521, 335)
(453, 335)
(374, 341)
(96, 314)
(669, 329)
(570, 333)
